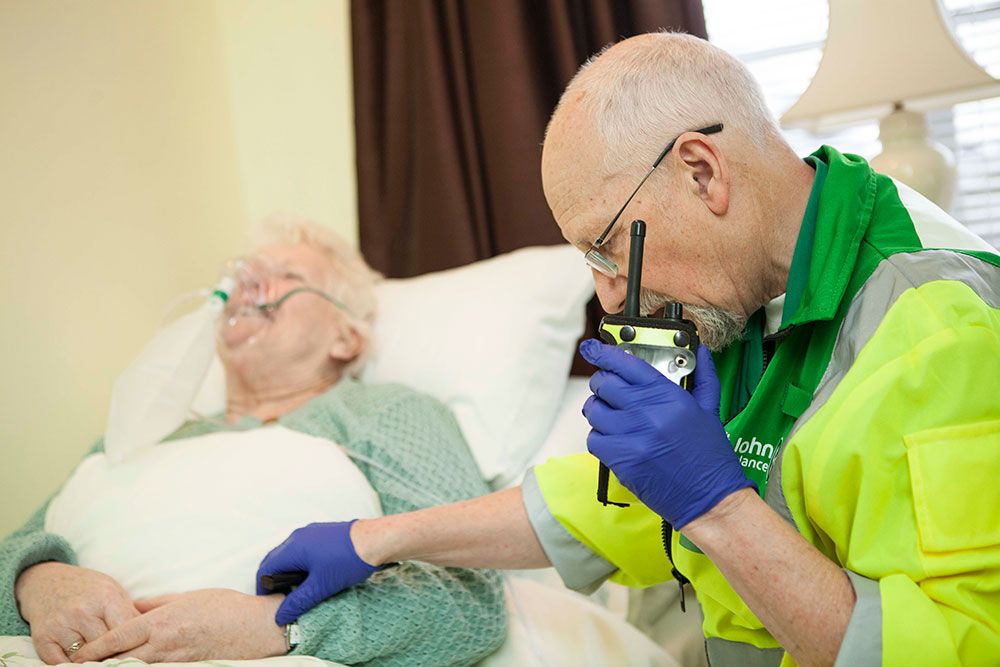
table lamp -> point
(894, 60)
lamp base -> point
(909, 156)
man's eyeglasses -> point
(593, 256)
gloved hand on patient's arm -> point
(326, 553)
(667, 446)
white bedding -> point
(20, 652)
(158, 525)
(202, 512)
(547, 627)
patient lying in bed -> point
(93, 571)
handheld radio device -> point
(667, 343)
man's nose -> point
(610, 291)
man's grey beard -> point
(717, 328)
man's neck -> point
(786, 206)
(267, 403)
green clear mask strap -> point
(274, 305)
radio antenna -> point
(634, 284)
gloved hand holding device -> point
(325, 552)
(665, 445)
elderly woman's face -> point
(304, 328)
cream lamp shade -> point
(893, 59)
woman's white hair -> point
(662, 85)
(351, 281)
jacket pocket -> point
(955, 479)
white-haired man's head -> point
(719, 223)
(643, 91)
(349, 279)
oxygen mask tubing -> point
(259, 290)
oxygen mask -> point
(260, 288)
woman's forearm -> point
(492, 531)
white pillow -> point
(202, 512)
(494, 341)
(570, 430)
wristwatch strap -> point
(293, 636)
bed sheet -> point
(546, 627)
(553, 626)
(20, 652)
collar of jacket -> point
(845, 211)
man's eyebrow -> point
(283, 266)
(580, 242)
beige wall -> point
(137, 139)
(291, 93)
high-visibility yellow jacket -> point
(870, 418)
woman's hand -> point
(66, 604)
(213, 623)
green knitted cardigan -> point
(414, 614)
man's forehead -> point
(575, 191)
(571, 168)
(580, 205)
(570, 136)
(299, 256)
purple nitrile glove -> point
(665, 445)
(326, 552)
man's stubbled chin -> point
(717, 328)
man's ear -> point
(704, 170)
(346, 346)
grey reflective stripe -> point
(862, 643)
(725, 653)
(893, 276)
(580, 568)
(774, 494)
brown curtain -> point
(451, 101)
